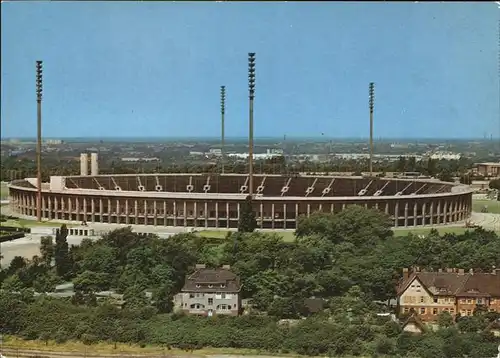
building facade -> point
(452, 290)
(210, 292)
(214, 201)
(488, 169)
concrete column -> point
(332, 208)
(216, 214)
(127, 212)
(85, 209)
(343, 206)
(387, 208)
(185, 213)
(396, 214)
(195, 212)
(206, 214)
(155, 219)
(415, 214)
(272, 215)
(376, 206)
(320, 207)
(92, 209)
(136, 212)
(445, 213)
(165, 223)
(308, 210)
(175, 213)
(118, 212)
(110, 211)
(145, 212)
(44, 208)
(424, 218)
(438, 217)
(50, 216)
(101, 210)
(238, 211)
(406, 214)
(227, 214)
(296, 214)
(261, 215)
(284, 216)
(431, 212)
(366, 205)
(77, 209)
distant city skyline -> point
(147, 69)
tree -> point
(47, 250)
(61, 254)
(247, 221)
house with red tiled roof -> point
(450, 290)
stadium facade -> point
(214, 200)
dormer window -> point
(198, 285)
(222, 285)
(210, 286)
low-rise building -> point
(210, 291)
(488, 169)
(452, 290)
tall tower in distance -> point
(84, 164)
(94, 164)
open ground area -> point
(493, 206)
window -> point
(210, 301)
(469, 301)
(479, 301)
(210, 286)
(435, 300)
(422, 310)
(222, 285)
(223, 296)
(452, 311)
(198, 285)
(422, 299)
(434, 311)
(469, 312)
(406, 310)
(191, 295)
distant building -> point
(428, 294)
(210, 292)
(488, 169)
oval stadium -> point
(214, 200)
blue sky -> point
(154, 68)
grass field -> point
(493, 206)
(4, 191)
(32, 223)
(130, 349)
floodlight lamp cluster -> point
(371, 95)
(223, 99)
(39, 71)
(251, 74)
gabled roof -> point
(455, 284)
(222, 280)
(416, 321)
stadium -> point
(214, 200)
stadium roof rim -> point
(229, 196)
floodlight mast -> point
(371, 93)
(251, 96)
(39, 90)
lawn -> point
(493, 206)
(80, 349)
(32, 223)
(4, 191)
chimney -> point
(226, 267)
(94, 165)
(406, 274)
(84, 164)
(200, 266)
(461, 272)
